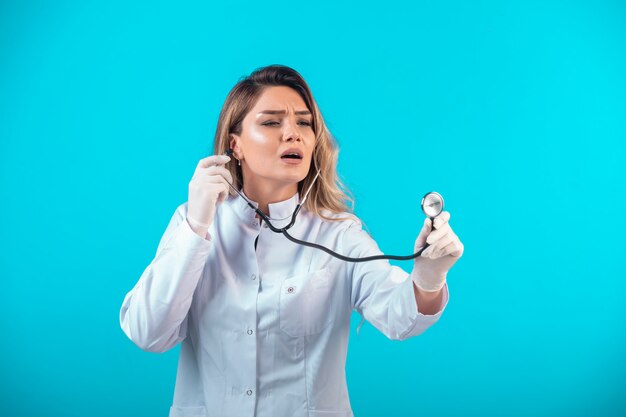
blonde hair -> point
(328, 192)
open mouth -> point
(291, 156)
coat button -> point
(291, 290)
(253, 276)
(250, 331)
(249, 392)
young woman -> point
(264, 322)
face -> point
(279, 122)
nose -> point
(291, 132)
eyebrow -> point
(283, 112)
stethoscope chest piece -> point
(432, 204)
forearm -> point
(428, 303)
(153, 312)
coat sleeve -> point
(154, 312)
(383, 293)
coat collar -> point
(281, 211)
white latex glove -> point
(432, 266)
(207, 188)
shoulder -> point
(339, 221)
(351, 233)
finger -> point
(434, 251)
(216, 170)
(220, 170)
(213, 160)
(442, 218)
(213, 185)
(439, 246)
(215, 179)
(457, 249)
(210, 170)
(223, 194)
(427, 251)
(435, 235)
(218, 187)
(451, 248)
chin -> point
(294, 179)
(297, 174)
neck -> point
(266, 194)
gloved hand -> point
(431, 267)
(207, 188)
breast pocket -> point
(305, 303)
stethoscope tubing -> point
(349, 259)
(329, 251)
(283, 230)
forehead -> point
(279, 98)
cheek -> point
(259, 151)
(257, 138)
(258, 144)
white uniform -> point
(265, 331)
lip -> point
(293, 150)
(290, 161)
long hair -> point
(328, 192)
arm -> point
(154, 312)
(384, 294)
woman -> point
(264, 322)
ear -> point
(234, 145)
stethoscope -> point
(432, 206)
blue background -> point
(516, 113)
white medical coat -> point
(265, 331)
